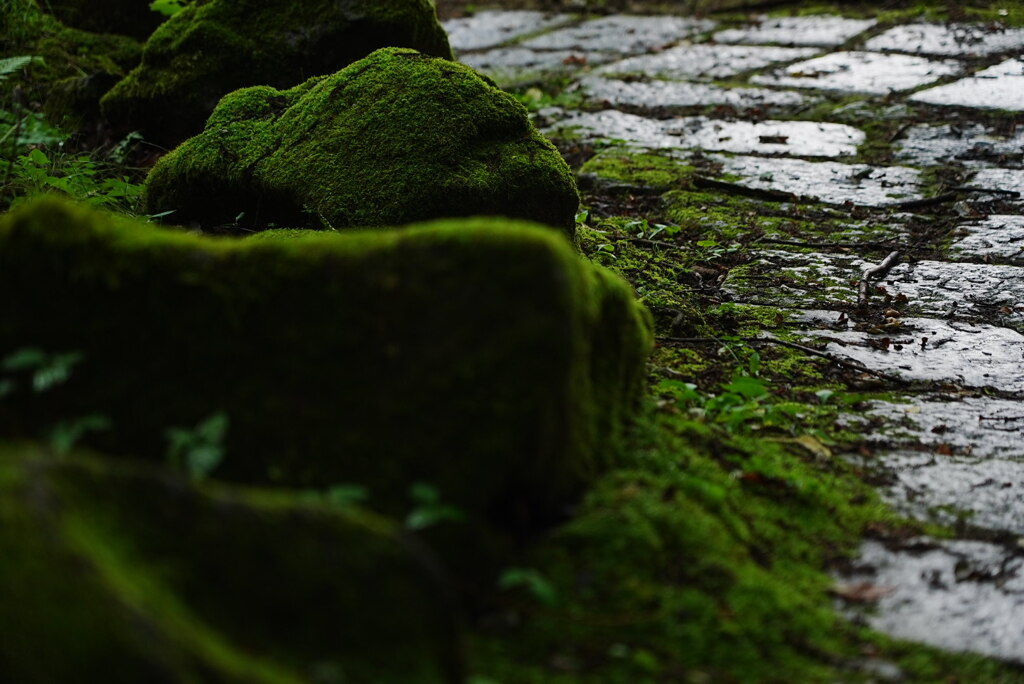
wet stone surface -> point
(791, 138)
(517, 65)
(998, 87)
(948, 40)
(704, 61)
(829, 182)
(816, 31)
(956, 353)
(961, 291)
(959, 595)
(621, 34)
(679, 95)
(997, 237)
(955, 459)
(1008, 180)
(951, 339)
(861, 72)
(492, 28)
(971, 145)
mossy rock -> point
(76, 67)
(394, 138)
(118, 572)
(213, 47)
(482, 356)
(126, 17)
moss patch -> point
(213, 47)
(120, 573)
(483, 357)
(645, 170)
(393, 138)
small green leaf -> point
(64, 435)
(538, 586)
(747, 387)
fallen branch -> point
(990, 191)
(926, 202)
(736, 189)
(878, 271)
(852, 365)
(843, 245)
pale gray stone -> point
(492, 28)
(817, 31)
(860, 72)
(998, 87)
(622, 34)
(949, 40)
(704, 61)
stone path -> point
(909, 133)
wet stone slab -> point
(516, 65)
(830, 182)
(998, 87)
(969, 144)
(621, 34)
(794, 138)
(860, 72)
(1011, 180)
(492, 28)
(949, 40)
(997, 237)
(963, 291)
(952, 594)
(704, 61)
(815, 31)
(955, 459)
(955, 353)
(662, 95)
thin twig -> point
(990, 191)
(845, 245)
(878, 271)
(853, 365)
(736, 189)
(926, 202)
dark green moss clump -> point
(481, 356)
(119, 573)
(393, 138)
(75, 67)
(213, 47)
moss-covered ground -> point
(704, 554)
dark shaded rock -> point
(118, 572)
(393, 138)
(482, 356)
(74, 67)
(126, 17)
(213, 47)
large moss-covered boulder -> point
(213, 47)
(122, 573)
(481, 356)
(394, 138)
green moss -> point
(213, 47)
(76, 67)
(123, 574)
(481, 356)
(645, 170)
(393, 138)
(702, 560)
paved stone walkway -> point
(788, 109)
